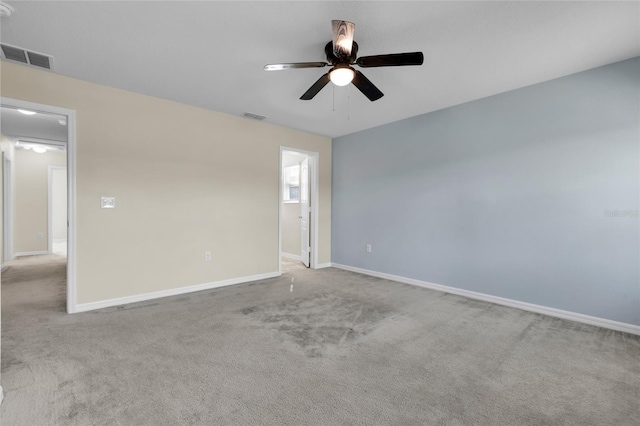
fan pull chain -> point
(333, 87)
(349, 102)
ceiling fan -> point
(341, 55)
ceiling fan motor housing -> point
(335, 60)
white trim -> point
(71, 188)
(1, 394)
(314, 164)
(553, 312)
(30, 253)
(83, 307)
(324, 265)
(50, 205)
(71, 214)
(290, 256)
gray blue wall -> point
(505, 196)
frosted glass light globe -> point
(341, 76)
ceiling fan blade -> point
(366, 87)
(294, 65)
(317, 86)
(342, 37)
(392, 60)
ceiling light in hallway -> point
(5, 10)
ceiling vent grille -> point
(28, 57)
(254, 116)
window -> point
(291, 190)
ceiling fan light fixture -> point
(342, 52)
(5, 9)
(342, 76)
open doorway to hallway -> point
(35, 183)
(298, 209)
(57, 210)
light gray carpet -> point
(340, 349)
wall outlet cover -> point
(108, 202)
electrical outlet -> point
(207, 256)
(368, 248)
(40, 235)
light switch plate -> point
(108, 202)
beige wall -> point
(8, 150)
(185, 180)
(58, 185)
(1, 207)
(30, 198)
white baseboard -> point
(84, 307)
(558, 313)
(323, 265)
(30, 253)
(291, 256)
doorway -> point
(298, 202)
(7, 240)
(57, 211)
(39, 143)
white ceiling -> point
(211, 54)
(39, 126)
(290, 158)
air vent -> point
(39, 60)
(19, 54)
(254, 116)
(14, 53)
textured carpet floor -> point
(340, 349)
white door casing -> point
(314, 178)
(304, 212)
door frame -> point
(314, 178)
(7, 208)
(50, 205)
(71, 189)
